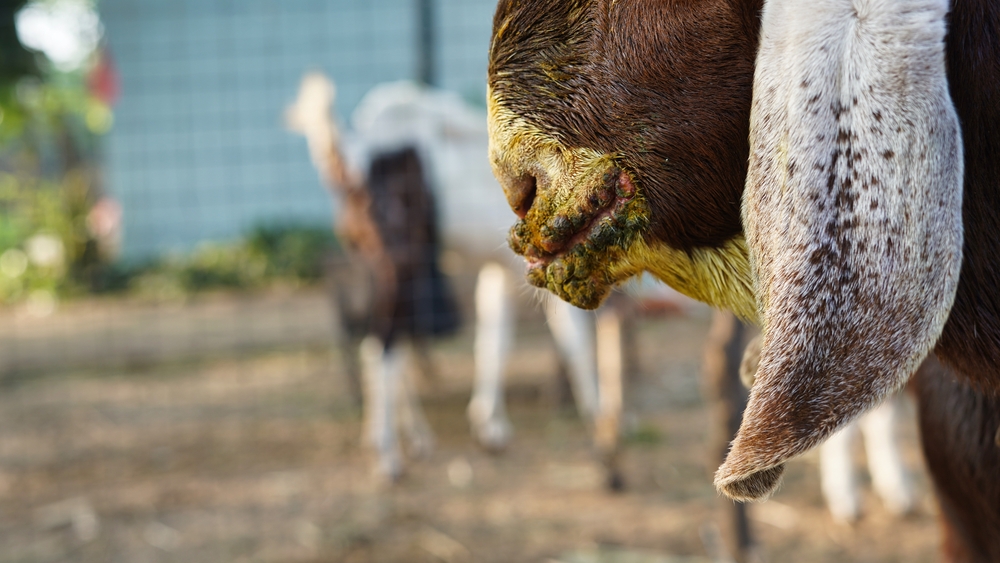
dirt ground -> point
(258, 459)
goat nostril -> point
(521, 194)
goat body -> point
(390, 289)
(862, 235)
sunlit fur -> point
(717, 276)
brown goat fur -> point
(581, 71)
(656, 95)
(958, 426)
(971, 339)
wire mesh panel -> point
(199, 150)
(199, 157)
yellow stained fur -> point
(518, 145)
(717, 276)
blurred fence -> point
(199, 151)
(198, 159)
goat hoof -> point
(615, 482)
(421, 447)
(493, 436)
(388, 471)
(845, 514)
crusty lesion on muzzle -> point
(584, 225)
(577, 209)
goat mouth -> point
(566, 252)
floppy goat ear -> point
(853, 217)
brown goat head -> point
(608, 153)
(846, 243)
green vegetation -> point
(45, 252)
(44, 243)
(50, 127)
(645, 435)
(269, 254)
(59, 233)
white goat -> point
(451, 139)
(888, 473)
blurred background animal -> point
(388, 225)
(440, 130)
(592, 346)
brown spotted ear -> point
(852, 213)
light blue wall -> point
(464, 42)
(198, 151)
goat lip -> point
(566, 251)
(600, 220)
(564, 232)
(536, 272)
(558, 247)
(553, 263)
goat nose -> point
(520, 191)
